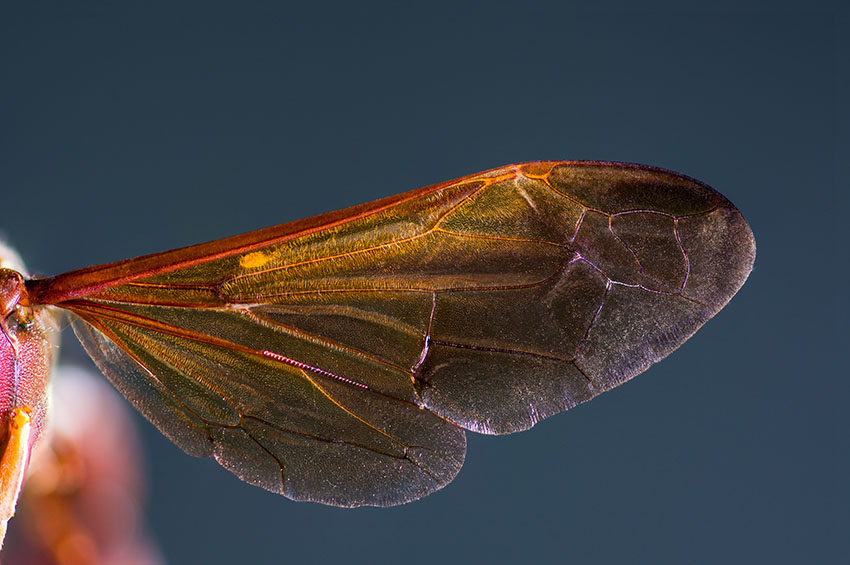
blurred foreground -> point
(82, 502)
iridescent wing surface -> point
(339, 359)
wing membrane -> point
(336, 359)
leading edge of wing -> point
(81, 282)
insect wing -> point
(337, 359)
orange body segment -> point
(13, 464)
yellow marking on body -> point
(254, 260)
(13, 464)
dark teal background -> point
(129, 130)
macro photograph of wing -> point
(345, 253)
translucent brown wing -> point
(339, 358)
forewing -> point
(337, 358)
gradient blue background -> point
(128, 130)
